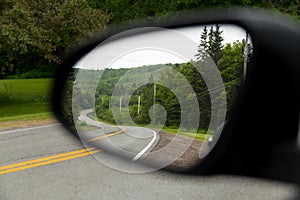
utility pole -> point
(139, 104)
(154, 94)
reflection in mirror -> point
(160, 97)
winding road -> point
(128, 140)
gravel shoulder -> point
(188, 159)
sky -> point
(230, 33)
(161, 46)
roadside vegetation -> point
(201, 136)
(25, 99)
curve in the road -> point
(86, 119)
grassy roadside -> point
(25, 115)
(202, 136)
(23, 111)
(25, 103)
(15, 91)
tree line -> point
(34, 32)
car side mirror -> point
(204, 92)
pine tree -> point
(204, 39)
(217, 54)
(203, 46)
(210, 44)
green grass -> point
(25, 90)
(27, 117)
(25, 111)
(22, 99)
(201, 135)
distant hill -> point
(126, 78)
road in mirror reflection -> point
(159, 97)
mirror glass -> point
(157, 96)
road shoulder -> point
(20, 124)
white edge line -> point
(146, 148)
(28, 129)
(140, 154)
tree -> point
(291, 7)
(33, 32)
(198, 83)
(203, 42)
(231, 66)
(123, 10)
(215, 43)
(203, 46)
(210, 44)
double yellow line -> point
(47, 160)
(55, 158)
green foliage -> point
(164, 96)
(231, 65)
(291, 7)
(232, 60)
(33, 32)
(123, 10)
(105, 114)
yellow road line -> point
(55, 158)
(49, 161)
(105, 136)
(44, 159)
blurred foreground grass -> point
(25, 99)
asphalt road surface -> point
(132, 142)
(48, 163)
